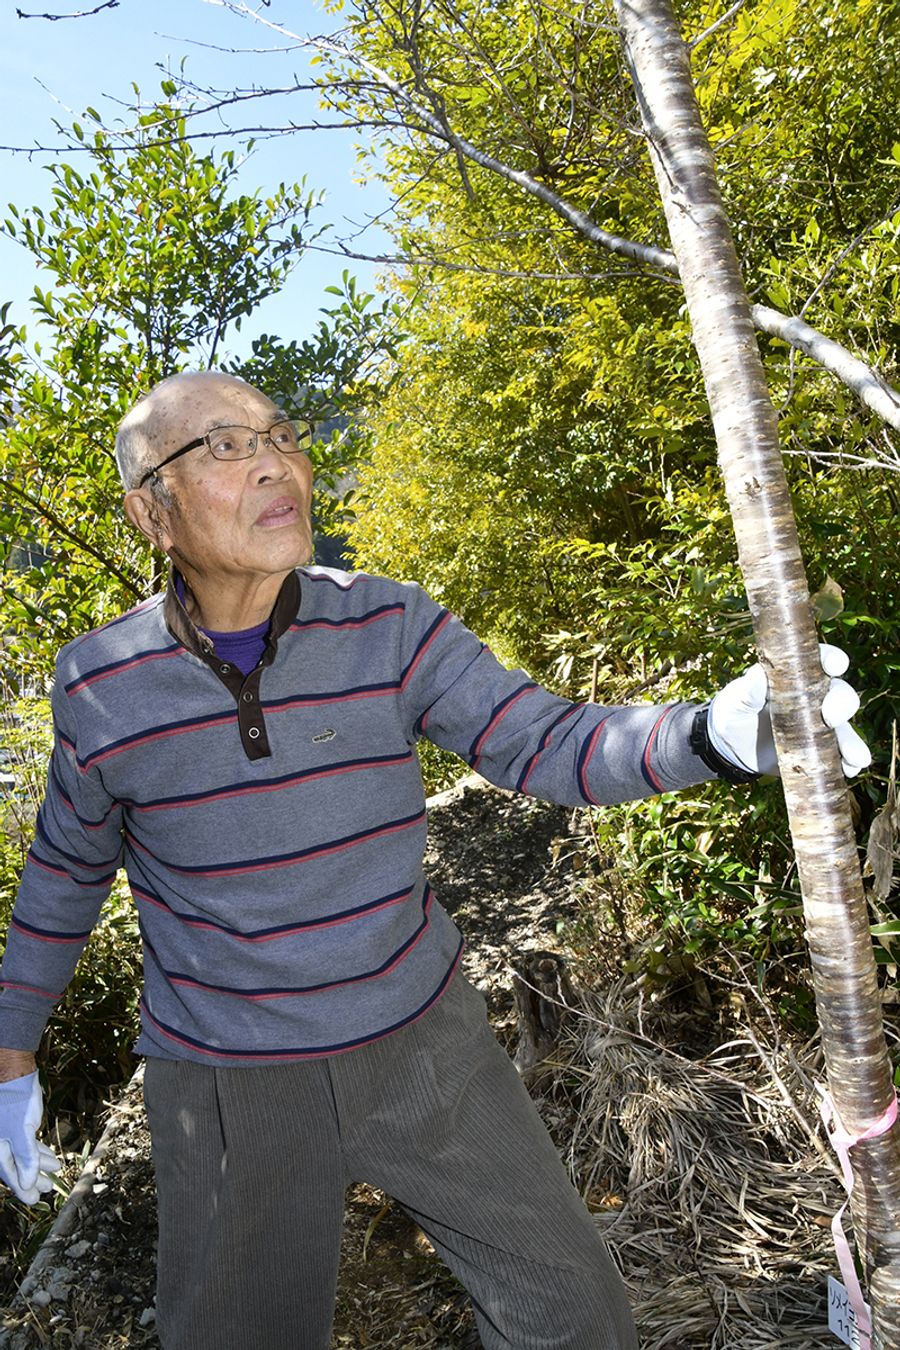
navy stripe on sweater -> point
(41, 833)
(302, 855)
(299, 990)
(63, 872)
(522, 780)
(158, 733)
(331, 696)
(189, 724)
(118, 667)
(282, 1055)
(47, 934)
(271, 784)
(357, 621)
(282, 930)
(647, 770)
(585, 756)
(67, 802)
(434, 628)
(498, 712)
(151, 603)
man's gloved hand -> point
(740, 730)
(24, 1161)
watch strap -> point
(703, 748)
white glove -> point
(740, 729)
(24, 1160)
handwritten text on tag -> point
(841, 1317)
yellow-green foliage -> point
(544, 461)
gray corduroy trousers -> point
(252, 1165)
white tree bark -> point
(847, 995)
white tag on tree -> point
(841, 1317)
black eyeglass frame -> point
(204, 440)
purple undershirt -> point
(243, 649)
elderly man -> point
(244, 746)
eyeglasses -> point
(290, 437)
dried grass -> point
(712, 1186)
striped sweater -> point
(273, 827)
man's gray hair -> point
(137, 450)
(134, 451)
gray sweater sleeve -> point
(68, 873)
(515, 733)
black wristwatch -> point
(704, 749)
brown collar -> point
(185, 631)
(244, 689)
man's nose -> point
(269, 462)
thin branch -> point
(411, 260)
(59, 524)
(723, 19)
(79, 14)
(865, 382)
(843, 459)
(848, 248)
(228, 51)
(265, 132)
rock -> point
(78, 1249)
(58, 1291)
(40, 1298)
(148, 1317)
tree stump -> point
(541, 986)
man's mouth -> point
(283, 511)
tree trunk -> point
(847, 995)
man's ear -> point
(146, 514)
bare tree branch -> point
(713, 27)
(62, 528)
(260, 132)
(441, 262)
(848, 249)
(866, 383)
(79, 14)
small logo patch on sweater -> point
(327, 735)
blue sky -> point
(53, 70)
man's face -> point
(230, 521)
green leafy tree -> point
(547, 353)
(153, 256)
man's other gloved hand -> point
(740, 729)
(24, 1161)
